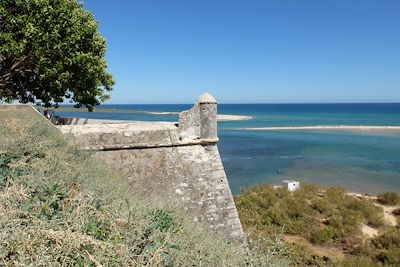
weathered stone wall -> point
(192, 175)
(176, 162)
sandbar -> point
(327, 127)
(223, 117)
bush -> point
(297, 227)
(97, 228)
(276, 215)
(350, 223)
(364, 249)
(324, 235)
(389, 198)
(358, 262)
(306, 191)
(336, 194)
(390, 238)
(323, 206)
(390, 256)
(371, 213)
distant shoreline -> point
(326, 127)
(223, 117)
(220, 117)
(104, 110)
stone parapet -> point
(122, 136)
(196, 126)
(177, 162)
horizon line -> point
(254, 103)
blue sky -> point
(248, 51)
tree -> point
(50, 51)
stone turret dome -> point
(206, 98)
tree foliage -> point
(51, 50)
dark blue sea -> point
(360, 161)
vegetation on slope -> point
(321, 227)
(59, 207)
(389, 198)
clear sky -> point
(248, 51)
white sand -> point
(222, 117)
(388, 214)
(159, 113)
(328, 127)
(368, 230)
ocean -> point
(360, 161)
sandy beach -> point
(158, 113)
(222, 117)
(328, 127)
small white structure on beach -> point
(292, 185)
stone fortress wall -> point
(176, 162)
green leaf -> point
(41, 41)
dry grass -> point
(58, 207)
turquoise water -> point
(362, 162)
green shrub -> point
(350, 222)
(358, 262)
(299, 257)
(97, 228)
(371, 213)
(336, 194)
(279, 193)
(389, 198)
(276, 215)
(4, 169)
(295, 208)
(364, 249)
(390, 256)
(306, 191)
(323, 206)
(324, 235)
(390, 238)
(46, 200)
(297, 227)
(162, 221)
(8, 170)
